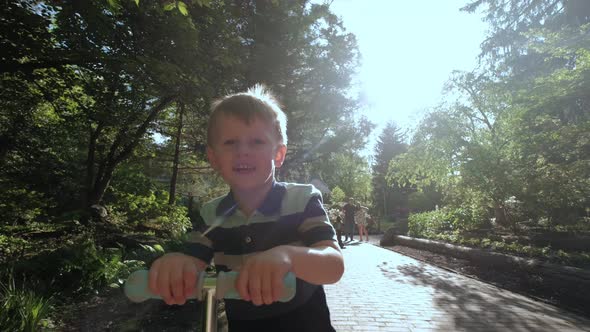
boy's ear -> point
(280, 155)
(212, 159)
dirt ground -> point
(112, 311)
(514, 280)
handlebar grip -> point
(136, 287)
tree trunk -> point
(190, 202)
(172, 197)
(90, 163)
(100, 181)
(101, 184)
(500, 214)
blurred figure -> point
(349, 209)
(361, 218)
(337, 222)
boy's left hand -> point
(260, 278)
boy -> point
(267, 228)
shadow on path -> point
(470, 303)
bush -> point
(446, 220)
(428, 224)
(79, 268)
(11, 248)
(21, 206)
(153, 211)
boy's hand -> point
(174, 277)
(260, 279)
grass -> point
(21, 309)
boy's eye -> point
(229, 142)
(259, 141)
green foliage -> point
(12, 247)
(428, 224)
(152, 211)
(78, 268)
(86, 87)
(21, 206)
(387, 196)
(423, 200)
(337, 195)
(20, 308)
(182, 8)
(515, 144)
(350, 173)
(444, 221)
(557, 256)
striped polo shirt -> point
(291, 214)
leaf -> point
(137, 3)
(169, 6)
(114, 4)
(182, 8)
(158, 248)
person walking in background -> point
(348, 209)
(335, 216)
(360, 217)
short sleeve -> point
(316, 226)
(197, 245)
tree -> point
(303, 53)
(514, 133)
(539, 51)
(511, 21)
(87, 86)
(349, 172)
(389, 145)
(107, 72)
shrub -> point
(446, 220)
(428, 224)
(78, 268)
(12, 247)
(466, 218)
(20, 205)
(152, 210)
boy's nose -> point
(242, 148)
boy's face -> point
(245, 155)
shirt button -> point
(248, 239)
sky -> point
(409, 49)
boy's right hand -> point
(174, 277)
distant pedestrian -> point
(348, 209)
(361, 219)
(335, 216)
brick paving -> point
(382, 290)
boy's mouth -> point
(243, 168)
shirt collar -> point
(270, 205)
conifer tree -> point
(389, 145)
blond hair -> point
(258, 102)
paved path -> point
(382, 290)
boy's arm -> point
(261, 277)
(320, 264)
